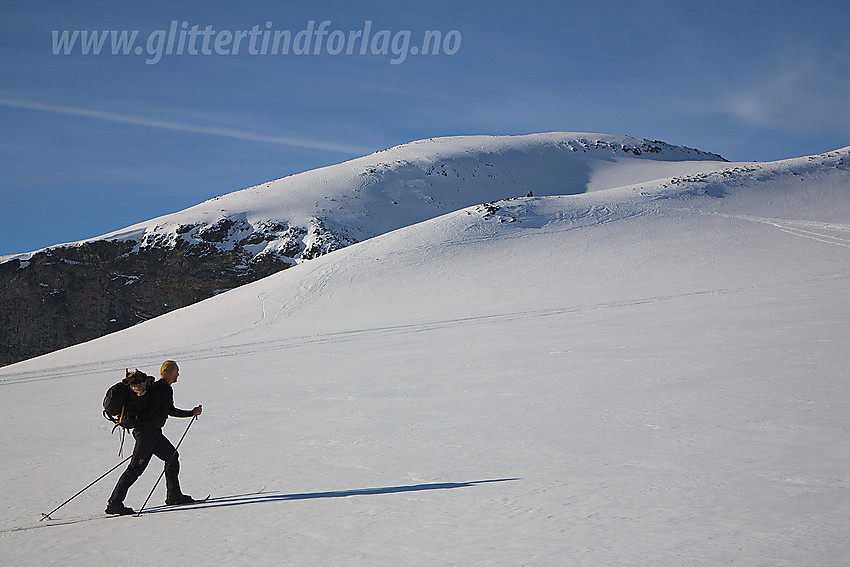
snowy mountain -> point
(646, 372)
(305, 215)
(78, 291)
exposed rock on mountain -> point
(75, 292)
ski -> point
(68, 520)
(201, 501)
(163, 507)
(208, 500)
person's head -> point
(169, 371)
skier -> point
(147, 431)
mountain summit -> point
(73, 292)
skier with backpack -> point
(145, 407)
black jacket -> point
(154, 407)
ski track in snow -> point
(805, 229)
(314, 279)
(259, 347)
(794, 227)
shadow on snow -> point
(262, 497)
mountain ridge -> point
(372, 169)
(71, 293)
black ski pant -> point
(149, 442)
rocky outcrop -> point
(66, 295)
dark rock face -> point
(67, 295)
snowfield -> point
(653, 372)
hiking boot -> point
(119, 509)
(179, 499)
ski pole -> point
(163, 470)
(47, 516)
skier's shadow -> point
(263, 497)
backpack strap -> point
(118, 425)
(121, 447)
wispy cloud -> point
(181, 126)
(798, 93)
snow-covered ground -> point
(651, 374)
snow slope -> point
(303, 215)
(651, 374)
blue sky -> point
(92, 143)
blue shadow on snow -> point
(261, 497)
